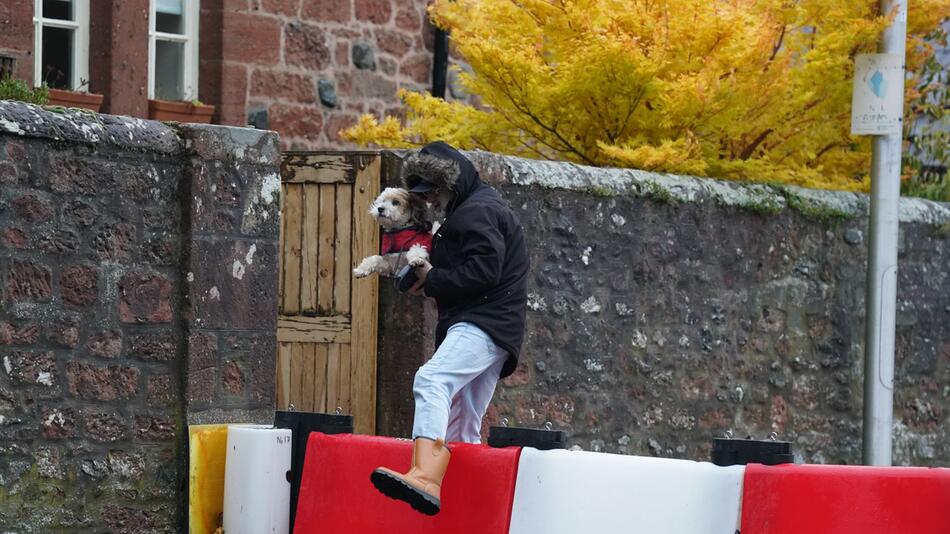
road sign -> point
(877, 100)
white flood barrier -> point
(256, 486)
(561, 492)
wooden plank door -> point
(327, 325)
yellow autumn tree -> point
(744, 89)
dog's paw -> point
(366, 267)
(417, 255)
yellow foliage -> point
(744, 89)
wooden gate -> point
(327, 324)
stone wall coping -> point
(609, 181)
(206, 141)
(81, 126)
(496, 168)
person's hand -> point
(422, 271)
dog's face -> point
(392, 208)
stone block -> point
(417, 68)
(78, 285)
(234, 284)
(337, 11)
(202, 351)
(154, 428)
(64, 332)
(161, 250)
(31, 368)
(409, 19)
(114, 242)
(161, 390)
(257, 117)
(327, 93)
(27, 280)
(209, 143)
(144, 298)
(19, 333)
(336, 123)
(341, 54)
(127, 464)
(58, 241)
(82, 177)
(59, 423)
(15, 238)
(32, 208)
(109, 383)
(80, 213)
(305, 45)
(250, 38)
(154, 346)
(290, 86)
(393, 42)
(105, 344)
(127, 520)
(105, 427)
(281, 7)
(259, 371)
(9, 174)
(201, 385)
(233, 101)
(232, 379)
(364, 56)
(365, 84)
(374, 11)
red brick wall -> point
(271, 55)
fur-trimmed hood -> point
(442, 166)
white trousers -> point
(453, 389)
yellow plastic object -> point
(208, 445)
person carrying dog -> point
(478, 277)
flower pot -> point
(166, 110)
(72, 99)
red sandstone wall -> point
(16, 35)
(305, 68)
(271, 58)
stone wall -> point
(666, 310)
(137, 267)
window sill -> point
(73, 99)
(166, 110)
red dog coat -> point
(403, 240)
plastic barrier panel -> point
(569, 492)
(207, 444)
(835, 499)
(336, 495)
(257, 481)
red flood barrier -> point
(831, 499)
(336, 495)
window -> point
(173, 50)
(61, 43)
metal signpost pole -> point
(882, 264)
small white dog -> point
(407, 236)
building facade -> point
(305, 68)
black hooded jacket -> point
(479, 256)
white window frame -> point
(80, 27)
(190, 13)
